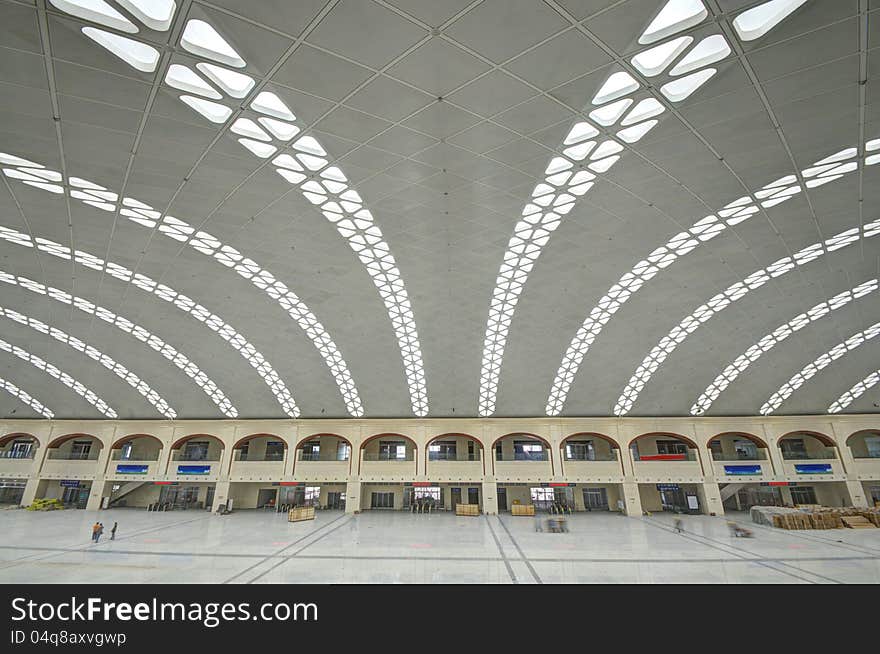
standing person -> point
(99, 531)
(113, 531)
(621, 507)
(679, 526)
(95, 528)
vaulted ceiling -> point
(459, 208)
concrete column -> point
(30, 491)
(711, 498)
(775, 457)
(856, 494)
(708, 462)
(225, 461)
(352, 495)
(490, 498)
(96, 493)
(164, 458)
(787, 499)
(221, 494)
(632, 500)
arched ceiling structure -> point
(392, 208)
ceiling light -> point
(247, 127)
(238, 85)
(279, 129)
(216, 113)
(676, 15)
(756, 22)
(139, 56)
(678, 90)
(708, 51)
(183, 78)
(203, 40)
(654, 61)
(155, 14)
(96, 11)
(270, 104)
(617, 85)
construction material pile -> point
(815, 517)
(46, 505)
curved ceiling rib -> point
(820, 363)
(25, 397)
(824, 171)
(143, 214)
(726, 377)
(93, 353)
(722, 300)
(171, 354)
(571, 174)
(855, 392)
(53, 371)
(177, 299)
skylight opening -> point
(262, 150)
(185, 79)
(238, 85)
(280, 130)
(676, 15)
(247, 127)
(139, 56)
(97, 11)
(310, 145)
(579, 132)
(872, 159)
(636, 132)
(312, 163)
(611, 113)
(757, 21)
(334, 173)
(290, 176)
(12, 160)
(155, 14)
(270, 104)
(604, 165)
(216, 113)
(287, 161)
(654, 61)
(616, 86)
(708, 51)
(84, 183)
(679, 89)
(843, 155)
(203, 40)
(647, 108)
(605, 149)
(52, 188)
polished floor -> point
(393, 547)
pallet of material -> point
(301, 513)
(522, 509)
(467, 509)
(857, 522)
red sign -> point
(777, 483)
(422, 483)
(553, 485)
(163, 483)
(291, 483)
(663, 457)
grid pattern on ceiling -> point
(441, 178)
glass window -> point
(125, 451)
(274, 451)
(20, 450)
(872, 443)
(528, 451)
(442, 451)
(311, 451)
(745, 450)
(793, 448)
(195, 451)
(580, 451)
(343, 451)
(392, 451)
(80, 449)
(671, 447)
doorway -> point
(336, 500)
(266, 497)
(382, 501)
(595, 499)
(76, 497)
(803, 495)
(474, 496)
(455, 495)
(502, 498)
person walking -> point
(99, 531)
(95, 528)
(113, 531)
(679, 526)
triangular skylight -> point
(610, 113)
(262, 150)
(675, 16)
(619, 84)
(97, 11)
(310, 145)
(235, 84)
(185, 79)
(247, 127)
(286, 161)
(647, 108)
(654, 61)
(216, 113)
(155, 14)
(136, 54)
(580, 132)
(12, 160)
(279, 129)
(680, 89)
(270, 104)
(203, 40)
(708, 51)
(757, 21)
(634, 133)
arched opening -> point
(75, 447)
(18, 446)
(663, 446)
(865, 444)
(136, 447)
(737, 446)
(589, 446)
(455, 447)
(197, 447)
(521, 447)
(323, 447)
(259, 447)
(806, 445)
(389, 447)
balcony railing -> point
(531, 456)
(690, 455)
(13, 454)
(244, 456)
(184, 456)
(134, 456)
(437, 456)
(71, 456)
(595, 457)
(822, 453)
(760, 455)
(376, 456)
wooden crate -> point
(857, 522)
(467, 509)
(301, 513)
(522, 509)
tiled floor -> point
(392, 547)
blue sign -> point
(812, 468)
(122, 469)
(742, 470)
(69, 483)
(193, 470)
